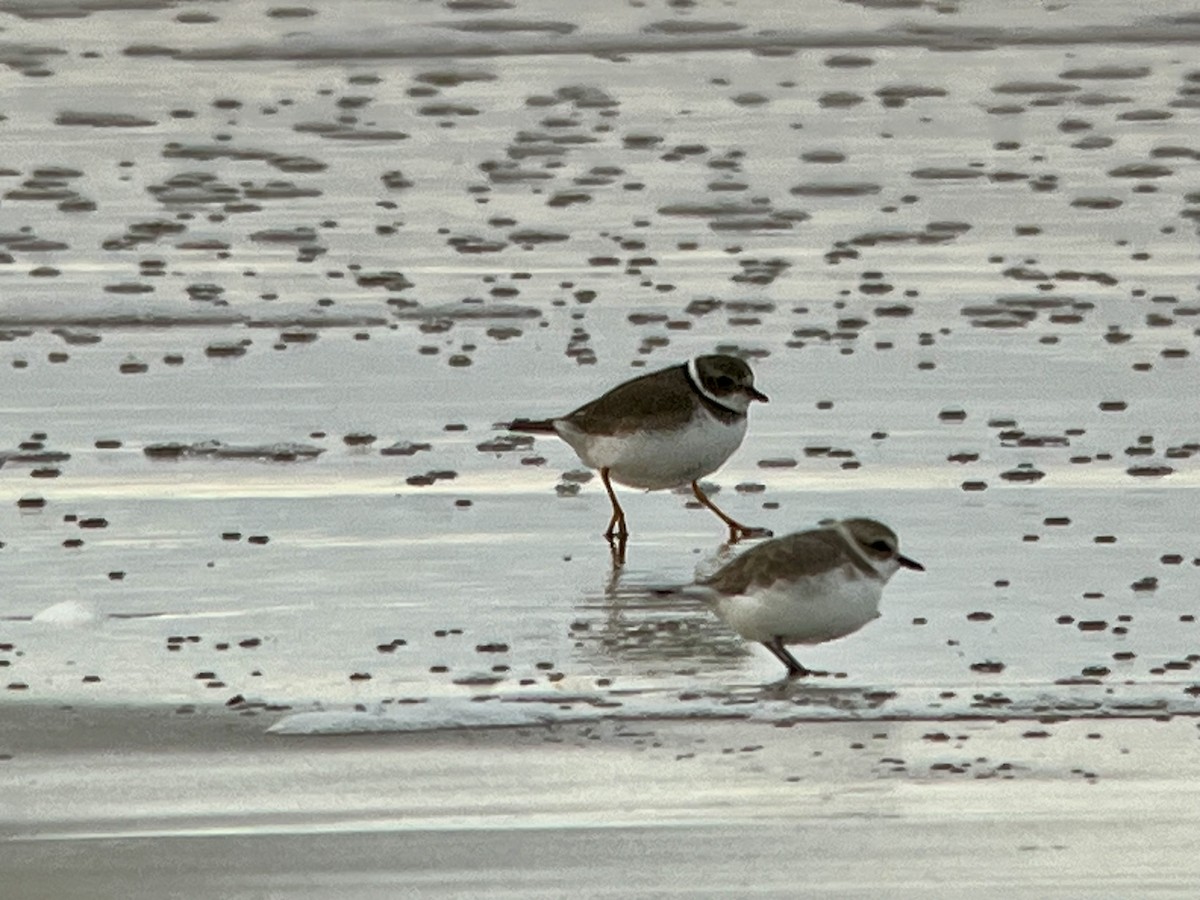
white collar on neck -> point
(871, 564)
(694, 377)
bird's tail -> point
(532, 426)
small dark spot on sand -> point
(988, 667)
(224, 350)
(404, 448)
(783, 462)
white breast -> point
(660, 459)
(809, 611)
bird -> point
(662, 430)
(808, 587)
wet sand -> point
(272, 276)
(111, 803)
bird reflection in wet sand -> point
(661, 430)
(808, 587)
(651, 630)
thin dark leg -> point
(616, 524)
(737, 530)
(781, 653)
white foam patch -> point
(776, 703)
(530, 709)
(69, 614)
(444, 714)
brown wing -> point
(668, 396)
(792, 556)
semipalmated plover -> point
(662, 430)
(808, 587)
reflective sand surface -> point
(272, 275)
(645, 809)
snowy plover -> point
(808, 587)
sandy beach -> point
(287, 612)
(111, 803)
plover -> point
(662, 430)
(808, 587)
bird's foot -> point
(616, 545)
(739, 532)
(808, 673)
(616, 531)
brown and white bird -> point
(808, 587)
(662, 430)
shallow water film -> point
(275, 276)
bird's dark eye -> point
(881, 546)
(725, 383)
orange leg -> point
(616, 524)
(737, 530)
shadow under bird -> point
(808, 587)
(662, 430)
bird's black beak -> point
(756, 394)
(910, 563)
